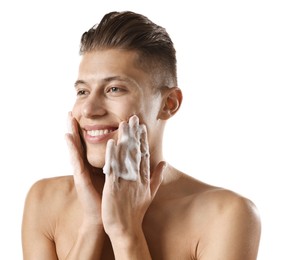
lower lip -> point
(98, 139)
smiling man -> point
(124, 201)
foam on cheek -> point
(124, 159)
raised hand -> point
(129, 189)
(83, 173)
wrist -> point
(126, 238)
(130, 245)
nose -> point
(93, 106)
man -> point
(124, 201)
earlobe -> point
(171, 103)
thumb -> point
(157, 177)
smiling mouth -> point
(100, 132)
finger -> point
(81, 175)
(122, 150)
(134, 152)
(75, 154)
(109, 152)
(75, 130)
(134, 122)
(145, 157)
(123, 132)
(111, 167)
(134, 127)
(144, 147)
(157, 177)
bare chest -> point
(165, 232)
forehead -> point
(112, 62)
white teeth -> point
(98, 132)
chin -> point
(96, 161)
(96, 155)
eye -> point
(114, 89)
(81, 92)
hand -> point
(88, 196)
(129, 189)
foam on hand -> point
(124, 158)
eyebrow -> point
(108, 79)
(79, 82)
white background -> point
(227, 132)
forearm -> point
(88, 245)
(130, 247)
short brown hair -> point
(135, 32)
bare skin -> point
(164, 214)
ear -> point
(171, 103)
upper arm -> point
(38, 226)
(233, 231)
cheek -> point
(151, 110)
(148, 110)
(126, 109)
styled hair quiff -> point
(134, 32)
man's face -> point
(110, 89)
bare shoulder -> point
(205, 198)
(216, 202)
(223, 223)
(57, 188)
(223, 198)
(214, 222)
(47, 198)
(220, 202)
(48, 203)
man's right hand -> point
(88, 195)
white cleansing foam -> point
(124, 159)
